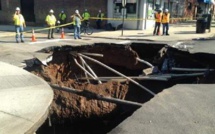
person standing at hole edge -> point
(165, 22)
(19, 23)
(158, 16)
(51, 21)
(86, 16)
(77, 24)
(100, 15)
(62, 18)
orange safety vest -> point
(158, 17)
(165, 18)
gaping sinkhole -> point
(98, 86)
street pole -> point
(123, 14)
(123, 20)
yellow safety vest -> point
(86, 16)
(51, 20)
(165, 18)
(62, 16)
(158, 17)
(100, 15)
(18, 19)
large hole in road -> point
(95, 103)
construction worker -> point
(77, 24)
(62, 17)
(86, 17)
(19, 23)
(158, 17)
(100, 15)
(165, 22)
(51, 21)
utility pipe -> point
(191, 69)
(113, 70)
(94, 54)
(89, 69)
(146, 62)
(95, 96)
(84, 69)
(138, 78)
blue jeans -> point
(165, 28)
(19, 32)
(77, 31)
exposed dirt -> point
(63, 71)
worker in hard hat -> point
(100, 16)
(19, 23)
(77, 24)
(165, 22)
(62, 17)
(86, 17)
(51, 21)
(158, 17)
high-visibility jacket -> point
(165, 17)
(158, 17)
(76, 20)
(62, 16)
(100, 16)
(18, 19)
(86, 16)
(50, 20)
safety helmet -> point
(76, 11)
(51, 11)
(17, 9)
(166, 10)
(100, 11)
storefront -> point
(139, 12)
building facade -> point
(35, 11)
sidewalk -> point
(25, 100)
(178, 32)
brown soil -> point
(63, 71)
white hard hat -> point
(166, 10)
(17, 9)
(51, 11)
(76, 11)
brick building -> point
(35, 11)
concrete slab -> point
(25, 100)
(182, 109)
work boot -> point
(22, 41)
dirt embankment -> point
(63, 71)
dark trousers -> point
(165, 28)
(98, 23)
(51, 33)
(157, 28)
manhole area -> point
(97, 87)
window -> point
(131, 6)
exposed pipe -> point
(85, 72)
(146, 62)
(84, 69)
(191, 69)
(138, 78)
(113, 70)
(89, 69)
(95, 96)
(94, 54)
